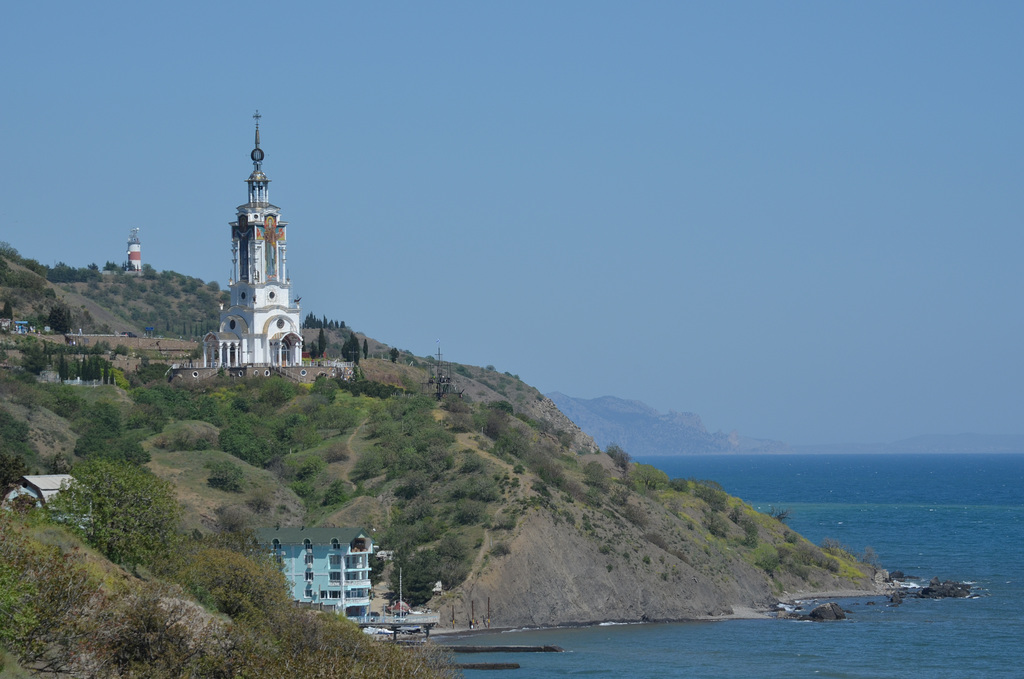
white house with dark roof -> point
(41, 487)
(327, 566)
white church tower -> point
(262, 325)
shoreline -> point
(739, 612)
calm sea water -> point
(956, 516)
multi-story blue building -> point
(328, 566)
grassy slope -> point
(117, 302)
(606, 531)
(686, 556)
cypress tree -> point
(366, 349)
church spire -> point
(258, 190)
(257, 152)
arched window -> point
(335, 544)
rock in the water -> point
(943, 590)
(829, 611)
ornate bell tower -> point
(262, 325)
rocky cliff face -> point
(546, 410)
(555, 576)
(559, 572)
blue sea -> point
(959, 517)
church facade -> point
(260, 331)
(261, 327)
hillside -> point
(643, 431)
(497, 495)
(468, 494)
(107, 301)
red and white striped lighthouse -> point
(134, 252)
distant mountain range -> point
(641, 430)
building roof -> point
(290, 535)
(47, 485)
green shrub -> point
(504, 521)
(482, 488)
(304, 489)
(369, 465)
(225, 476)
(680, 485)
(310, 467)
(469, 512)
(337, 451)
(749, 527)
(336, 493)
(766, 558)
(716, 524)
(594, 475)
(716, 498)
(472, 463)
(635, 514)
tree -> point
(394, 355)
(418, 572)
(321, 344)
(14, 439)
(60, 319)
(125, 511)
(620, 457)
(648, 477)
(335, 494)
(8, 312)
(103, 435)
(594, 475)
(350, 350)
(237, 584)
(12, 468)
(366, 349)
(33, 357)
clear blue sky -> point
(801, 220)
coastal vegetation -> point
(493, 497)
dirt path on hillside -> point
(343, 469)
(468, 441)
(482, 552)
